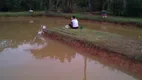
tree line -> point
(115, 7)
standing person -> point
(104, 14)
(74, 23)
(31, 12)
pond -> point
(26, 56)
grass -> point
(110, 41)
(16, 14)
(113, 19)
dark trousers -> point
(71, 26)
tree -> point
(117, 7)
(67, 5)
(90, 5)
(133, 8)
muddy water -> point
(126, 30)
(26, 56)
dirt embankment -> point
(107, 56)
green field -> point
(16, 14)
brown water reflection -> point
(53, 61)
(54, 51)
(21, 58)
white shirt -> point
(31, 11)
(75, 23)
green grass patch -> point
(16, 14)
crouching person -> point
(74, 23)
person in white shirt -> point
(74, 23)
